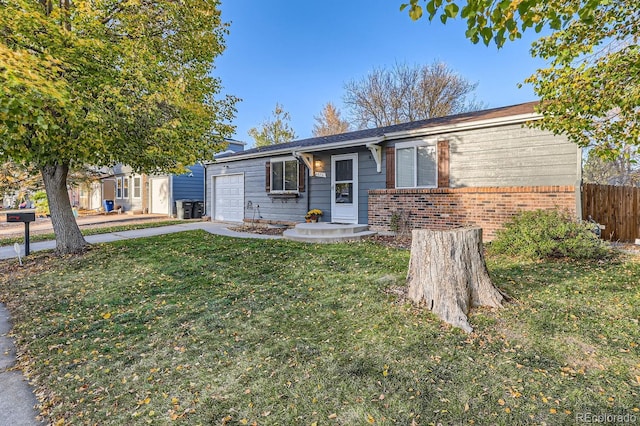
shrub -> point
(41, 202)
(544, 234)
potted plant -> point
(313, 215)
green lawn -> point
(193, 328)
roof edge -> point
(468, 125)
(402, 134)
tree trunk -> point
(69, 239)
(447, 272)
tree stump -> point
(448, 274)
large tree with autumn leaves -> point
(590, 89)
(102, 82)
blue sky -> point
(300, 54)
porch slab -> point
(324, 232)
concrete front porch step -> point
(290, 234)
(327, 232)
(325, 228)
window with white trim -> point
(416, 165)
(118, 187)
(125, 188)
(284, 175)
(137, 187)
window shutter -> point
(390, 152)
(268, 176)
(443, 164)
(301, 169)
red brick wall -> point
(445, 208)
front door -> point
(344, 183)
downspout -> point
(171, 201)
(204, 188)
(148, 189)
(578, 186)
(308, 179)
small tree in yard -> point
(103, 82)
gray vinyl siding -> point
(320, 194)
(368, 178)
(512, 156)
(262, 205)
(317, 194)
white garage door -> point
(159, 189)
(228, 196)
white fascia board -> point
(472, 125)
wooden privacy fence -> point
(615, 207)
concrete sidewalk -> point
(17, 400)
(219, 228)
(44, 225)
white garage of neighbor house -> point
(159, 195)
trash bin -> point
(107, 205)
(184, 209)
(198, 209)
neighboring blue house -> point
(165, 190)
(139, 193)
(366, 176)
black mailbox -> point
(24, 217)
(21, 217)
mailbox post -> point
(26, 217)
